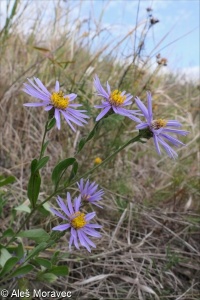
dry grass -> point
(150, 244)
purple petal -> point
(36, 104)
(62, 205)
(93, 226)
(149, 102)
(142, 107)
(83, 241)
(103, 113)
(108, 88)
(173, 123)
(142, 126)
(77, 203)
(78, 114)
(42, 90)
(128, 98)
(72, 97)
(99, 87)
(75, 239)
(74, 105)
(156, 144)
(41, 85)
(71, 118)
(94, 203)
(126, 113)
(69, 123)
(168, 149)
(87, 240)
(90, 216)
(171, 139)
(49, 107)
(176, 131)
(71, 240)
(91, 232)
(57, 117)
(57, 213)
(57, 87)
(69, 202)
(34, 93)
(62, 227)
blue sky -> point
(176, 19)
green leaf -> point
(44, 147)
(59, 170)
(8, 233)
(38, 235)
(34, 183)
(54, 258)
(41, 49)
(59, 270)
(20, 251)
(51, 124)
(93, 131)
(5, 255)
(47, 277)
(24, 208)
(81, 144)
(9, 265)
(7, 180)
(42, 162)
(45, 209)
(22, 271)
(36, 250)
(73, 171)
(33, 165)
(43, 262)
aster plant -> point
(89, 192)
(56, 101)
(78, 222)
(114, 101)
(160, 128)
(71, 212)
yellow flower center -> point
(98, 160)
(58, 100)
(78, 220)
(116, 98)
(157, 124)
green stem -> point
(135, 139)
(43, 139)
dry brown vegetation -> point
(150, 247)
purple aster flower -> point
(115, 100)
(56, 100)
(89, 192)
(160, 128)
(78, 222)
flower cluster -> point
(113, 102)
(77, 220)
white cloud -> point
(191, 73)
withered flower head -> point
(148, 9)
(153, 21)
